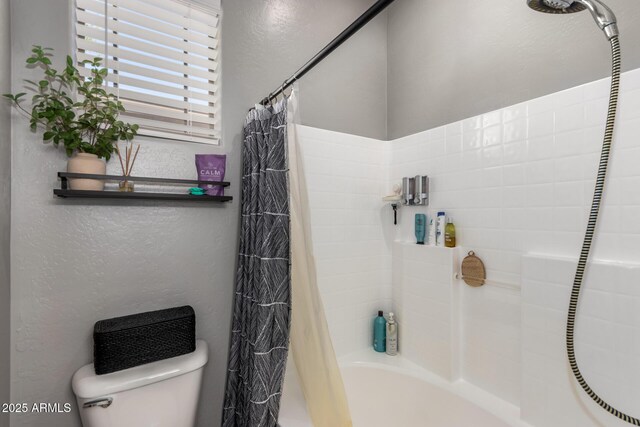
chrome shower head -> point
(604, 17)
(555, 6)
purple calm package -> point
(211, 168)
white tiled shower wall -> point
(520, 180)
(516, 181)
(425, 302)
(607, 337)
(345, 176)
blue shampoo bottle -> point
(380, 333)
(421, 228)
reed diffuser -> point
(127, 166)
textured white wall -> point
(454, 59)
(265, 42)
(77, 262)
(5, 206)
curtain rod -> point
(363, 20)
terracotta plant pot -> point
(86, 163)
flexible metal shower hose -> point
(588, 238)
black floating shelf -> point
(137, 195)
(65, 192)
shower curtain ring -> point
(284, 90)
(294, 80)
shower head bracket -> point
(602, 14)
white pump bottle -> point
(392, 335)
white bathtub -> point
(388, 391)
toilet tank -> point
(158, 394)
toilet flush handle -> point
(103, 403)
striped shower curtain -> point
(261, 314)
(277, 298)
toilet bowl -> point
(158, 394)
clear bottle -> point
(450, 234)
(440, 228)
(432, 231)
(392, 336)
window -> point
(162, 58)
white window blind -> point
(162, 57)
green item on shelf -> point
(195, 191)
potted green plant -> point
(87, 127)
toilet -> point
(158, 394)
